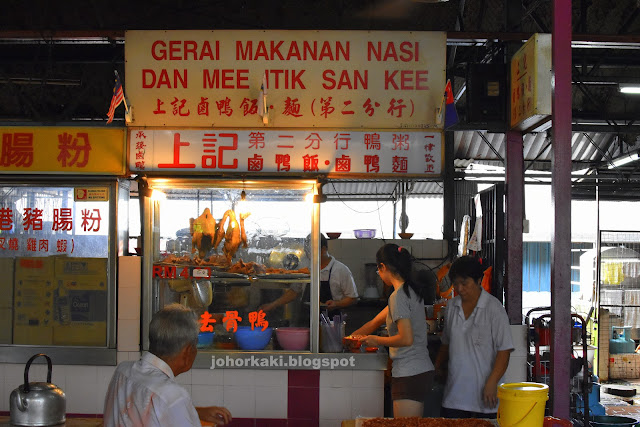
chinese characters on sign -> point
(58, 221)
(61, 150)
(358, 79)
(331, 152)
(531, 83)
(231, 319)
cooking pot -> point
(37, 403)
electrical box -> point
(486, 93)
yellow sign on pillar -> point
(531, 84)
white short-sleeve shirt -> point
(473, 345)
(341, 281)
(144, 393)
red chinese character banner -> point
(333, 152)
(337, 79)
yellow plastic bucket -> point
(522, 404)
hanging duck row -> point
(205, 235)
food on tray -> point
(248, 268)
(203, 232)
(426, 422)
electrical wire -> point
(355, 210)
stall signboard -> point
(292, 79)
(531, 77)
(62, 150)
(331, 152)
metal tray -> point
(292, 276)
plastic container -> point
(365, 233)
(522, 404)
(255, 339)
(205, 339)
(293, 338)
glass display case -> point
(229, 249)
(57, 246)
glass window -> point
(236, 254)
(54, 248)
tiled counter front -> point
(254, 397)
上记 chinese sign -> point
(531, 83)
(334, 79)
(62, 150)
(332, 152)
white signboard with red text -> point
(332, 152)
(322, 79)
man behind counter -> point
(337, 287)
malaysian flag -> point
(117, 99)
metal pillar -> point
(515, 207)
(449, 195)
(561, 199)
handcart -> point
(538, 322)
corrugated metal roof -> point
(587, 148)
(372, 190)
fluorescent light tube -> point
(629, 88)
(623, 160)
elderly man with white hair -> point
(145, 393)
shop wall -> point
(274, 397)
(355, 253)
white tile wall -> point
(240, 400)
(336, 378)
(129, 288)
(355, 253)
(246, 393)
(349, 394)
(366, 402)
(80, 390)
(207, 395)
(335, 403)
(270, 402)
(207, 376)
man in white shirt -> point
(145, 393)
(337, 287)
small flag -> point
(450, 113)
(117, 99)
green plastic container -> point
(612, 421)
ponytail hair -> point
(400, 262)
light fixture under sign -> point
(629, 88)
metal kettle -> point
(37, 403)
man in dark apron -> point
(337, 287)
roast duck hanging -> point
(206, 236)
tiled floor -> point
(618, 406)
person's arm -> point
(344, 302)
(403, 338)
(373, 324)
(287, 296)
(214, 414)
(490, 391)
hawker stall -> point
(231, 147)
